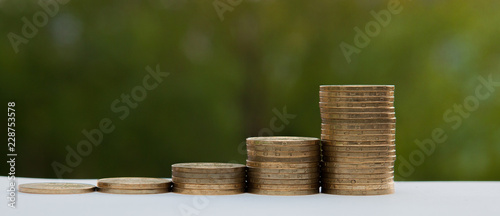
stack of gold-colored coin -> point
(133, 185)
(358, 135)
(208, 178)
(283, 165)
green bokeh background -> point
(227, 76)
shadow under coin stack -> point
(283, 165)
(133, 185)
(358, 135)
(208, 178)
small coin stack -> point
(56, 188)
(208, 178)
(132, 185)
(358, 135)
(283, 165)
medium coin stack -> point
(208, 178)
(358, 135)
(283, 165)
(133, 185)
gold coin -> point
(283, 187)
(207, 192)
(282, 148)
(359, 148)
(358, 137)
(280, 165)
(358, 186)
(357, 165)
(295, 159)
(357, 192)
(357, 132)
(357, 170)
(283, 175)
(356, 126)
(356, 87)
(282, 140)
(357, 115)
(209, 186)
(133, 183)
(282, 192)
(328, 99)
(359, 154)
(240, 174)
(360, 159)
(56, 188)
(356, 176)
(355, 93)
(279, 154)
(360, 143)
(133, 191)
(208, 180)
(284, 171)
(283, 181)
(358, 121)
(356, 110)
(357, 181)
(385, 104)
(208, 167)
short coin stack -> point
(358, 135)
(56, 188)
(283, 165)
(133, 185)
(208, 178)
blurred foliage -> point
(226, 77)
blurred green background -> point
(227, 76)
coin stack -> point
(133, 185)
(358, 135)
(283, 165)
(208, 178)
(56, 188)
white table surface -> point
(411, 198)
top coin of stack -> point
(283, 165)
(133, 185)
(208, 178)
(358, 135)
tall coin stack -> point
(208, 178)
(358, 133)
(283, 165)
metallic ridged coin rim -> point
(207, 192)
(208, 180)
(204, 167)
(357, 180)
(133, 191)
(285, 171)
(281, 165)
(357, 192)
(234, 175)
(280, 154)
(209, 186)
(283, 192)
